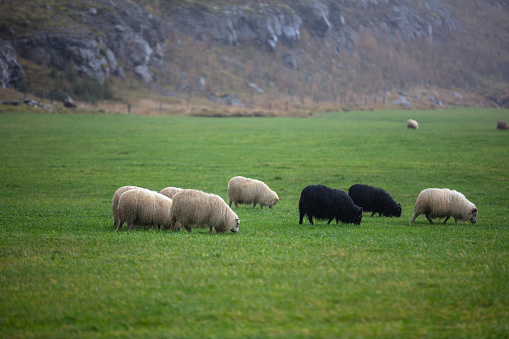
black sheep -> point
(323, 202)
(374, 199)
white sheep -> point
(197, 209)
(412, 124)
(143, 207)
(116, 198)
(444, 203)
(170, 191)
(250, 191)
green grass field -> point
(65, 272)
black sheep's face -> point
(356, 220)
(398, 211)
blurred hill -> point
(257, 58)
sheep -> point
(502, 125)
(116, 198)
(374, 199)
(412, 124)
(444, 203)
(201, 210)
(143, 207)
(250, 191)
(170, 191)
(323, 202)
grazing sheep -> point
(323, 202)
(444, 203)
(250, 191)
(412, 124)
(502, 125)
(202, 210)
(116, 198)
(170, 191)
(142, 207)
(374, 199)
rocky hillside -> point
(254, 54)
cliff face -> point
(337, 44)
(269, 24)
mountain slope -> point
(285, 55)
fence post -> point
(128, 108)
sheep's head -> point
(396, 212)
(274, 201)
(236, 227)
(473, 215)
(357, 217)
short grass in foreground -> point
(64, 271)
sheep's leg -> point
(119, 227)
(413, 218)
(446, 219)
(230, 203)
(254, 204)
(456, 220)
(372, 214)
(301, 217)
(330, 220)
(188, 229)
(310, 219)
(429, 219)
(211, 228)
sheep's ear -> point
(473, 210)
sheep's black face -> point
(356, 220)
(398, 211)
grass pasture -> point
(65, 272)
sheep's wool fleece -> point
(443, 202)
(197, 209)
(171, 191)
(116, 198)
(412, 124)
(250, 191)
(144, 207)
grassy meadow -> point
(66, 272)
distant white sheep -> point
(250, 191)
(116, 198)
(170, 191)
(142, 207)
(444, 203)
(412, 124)
(197, 209)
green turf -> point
(65, 272)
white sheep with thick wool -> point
(170, 191)
(142, 207)
(250, 191)
(444, 203)
(412, 124)
(116, 198)
(196, 209)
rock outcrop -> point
(11, 73)
(130, 38)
